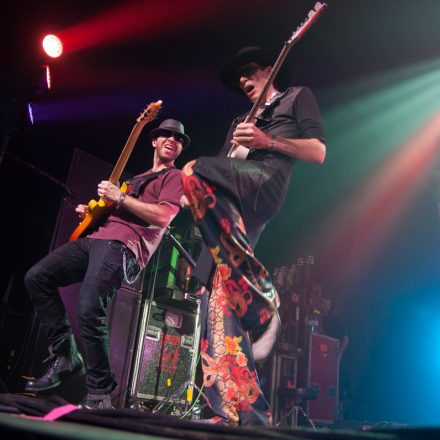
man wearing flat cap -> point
(118, 250)
(232, 197)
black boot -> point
(96, 401)
(64, 362)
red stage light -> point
(52, 46)
(139, 18)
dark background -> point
(390, 308)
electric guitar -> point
(98, 210)
(239, 151)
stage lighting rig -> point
(25, 82)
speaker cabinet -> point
(123, 316)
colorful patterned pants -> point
(240, 301)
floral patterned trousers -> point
(240, 300)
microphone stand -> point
(39, 171)
(185, 254)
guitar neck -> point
(274, 72)
(313, 15)
(125, 154)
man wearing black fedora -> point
(118, 250)
(232, 197)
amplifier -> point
(167, 352)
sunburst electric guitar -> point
(98, 210)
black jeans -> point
(98, 264)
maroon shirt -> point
(140, 237)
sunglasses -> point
(166, 134)
(248, 70)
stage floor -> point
(23, 417)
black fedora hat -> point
(173, 126)
(253, 54)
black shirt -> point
(293, 114)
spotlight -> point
(52, 46)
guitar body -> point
(98, 211)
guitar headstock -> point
(312, 16)
(150, 112)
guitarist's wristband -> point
(273, 145)
(121, 200)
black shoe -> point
(61, 367)
(97, 401)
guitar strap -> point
(137, 183)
